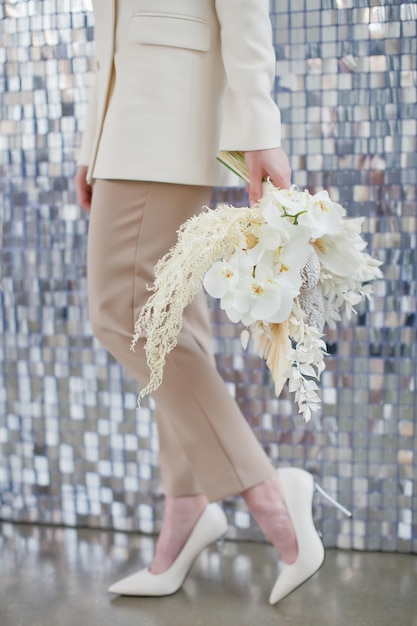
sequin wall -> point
(73, 448)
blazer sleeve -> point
(250, 118)
(90, 125)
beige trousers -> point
(206, 445)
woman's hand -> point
(83, 188)
(273, 164)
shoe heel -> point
(220, 544)
(332, 500)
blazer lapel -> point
(105, 19)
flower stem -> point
(294, 217)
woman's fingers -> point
(262, 164)
(83, 188)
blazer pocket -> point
(176, 31)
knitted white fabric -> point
(310, 297)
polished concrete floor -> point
(59, 577)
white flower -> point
(267, 237)
(318, 213)
(323, 216)
(291, 201)
(281, 208)
(220, 279)
(262, 295)
(297, 249)
(337, 254)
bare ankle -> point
(180, 516)
(261, 496)
(267, 504)
(184, 506)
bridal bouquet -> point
(283, 268)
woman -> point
(177, 81)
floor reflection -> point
(59, 576)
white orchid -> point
(323, 217)
(270, 297)
(221, 278)
(337, 254)
(250, 292)
(290, 202)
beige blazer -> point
(176, 81)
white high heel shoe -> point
(298, 487)
(211, 526)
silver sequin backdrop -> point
(73, 448)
